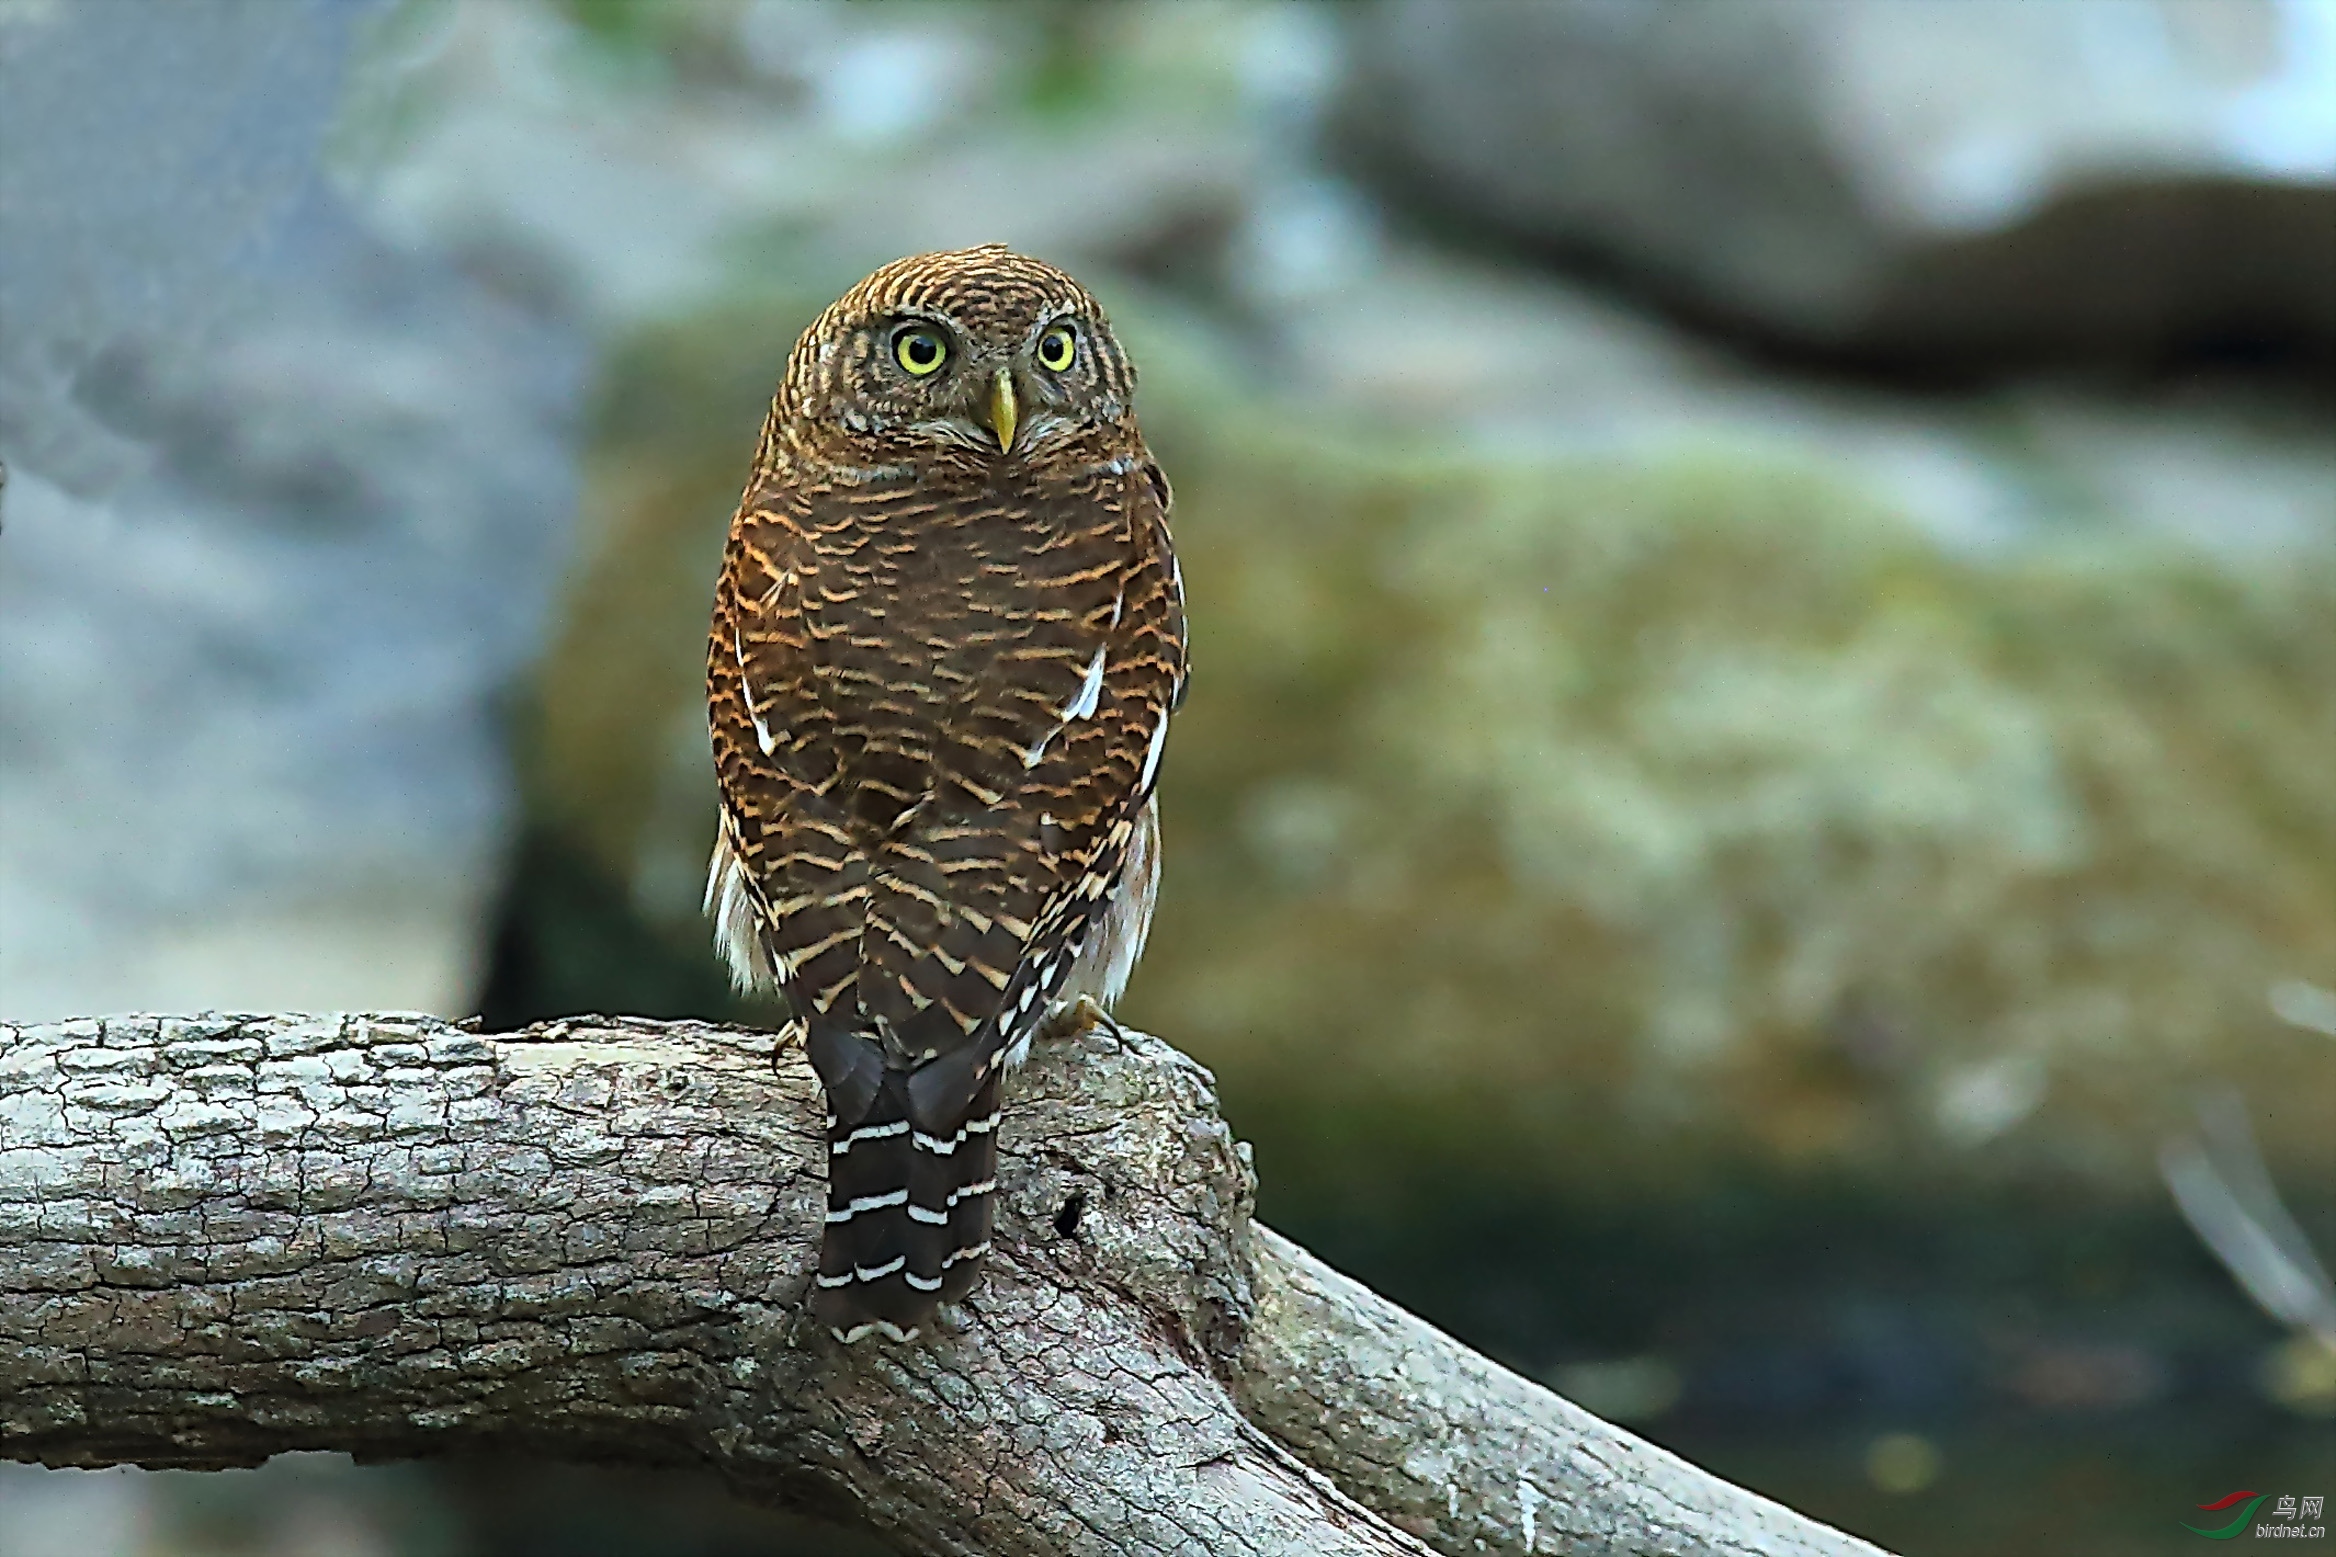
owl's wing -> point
(785, 881)
(935, 729)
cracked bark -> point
(226, 1236)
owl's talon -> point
(1083, 1016)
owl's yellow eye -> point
(920, 351)
(1056, 348)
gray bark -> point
(222, 1237)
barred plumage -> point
(947, 638)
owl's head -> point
(981, 350)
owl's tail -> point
(908, 1209)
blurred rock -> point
(799, 140)
(324, 1505)
(1944, 181)
(284, 511)
(1611, 820)
(74, 1513)
(142, 171)
(1432, 347)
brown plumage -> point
(947, 638)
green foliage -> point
(625, 24)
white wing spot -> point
(762, 732)
(1090, 690)
(1152, 757)
(1081, 706)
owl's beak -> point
(1003, 411)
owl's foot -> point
(1083, 1016)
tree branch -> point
(223, 1237)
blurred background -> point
(1755, 832)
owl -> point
(947, 639)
